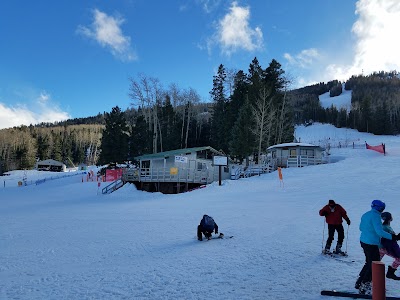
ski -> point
(335, 254)
(220, 236)
(352, 295)
(338, 257)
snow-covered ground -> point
(63, 240)
(341, 101)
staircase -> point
(113, 186)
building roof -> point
(177, 152)
(49, 162)
(292, 145)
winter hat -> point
(378, 205)
(386, 216)
(332, 202)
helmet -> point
(386, 216)
(378, 205)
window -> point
(146, 164)
(307, 152)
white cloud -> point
(107, 32)
(376, 29)
(209, 5)
(304, 59)
(376, 46)
(234, 31)
(41, 110)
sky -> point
(63, 240)
(73, 59)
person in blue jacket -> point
(371, 233)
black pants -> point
(331, 233)
(201, 230)
(371, 253)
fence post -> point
(378, 281)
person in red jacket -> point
(334, 213)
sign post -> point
(220, 161)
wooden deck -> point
(162, 180)
(164, 175)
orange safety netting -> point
(380, 148)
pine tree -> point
(219, 137)
(240, 93)
(243, 141)
(114, 143)
(140, 140)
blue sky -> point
(71, 59)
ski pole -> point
(323, 237)
(347, 236)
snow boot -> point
(357, 285)
(390, 273)
(338, 250)
(327, 249)
(365, 288)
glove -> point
(348, 222)
(324, 214)
(395, 237)
(398, 237)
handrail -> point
(113, 186)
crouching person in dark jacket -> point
(207, 227)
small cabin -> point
(176, 170)
(50, 165)
(290, 155)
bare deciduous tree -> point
(146, 92)
(264, 114)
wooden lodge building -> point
(176, 171)
(289, 155)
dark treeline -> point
(21, 147)
(375, 103)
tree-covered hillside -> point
(375, 103)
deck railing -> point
(302, 161)
(204, 176)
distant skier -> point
(334, 213)
(207, 227)
(390, 247)
(371, 233)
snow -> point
(291, 145)
(341, 101)
(62, 239)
